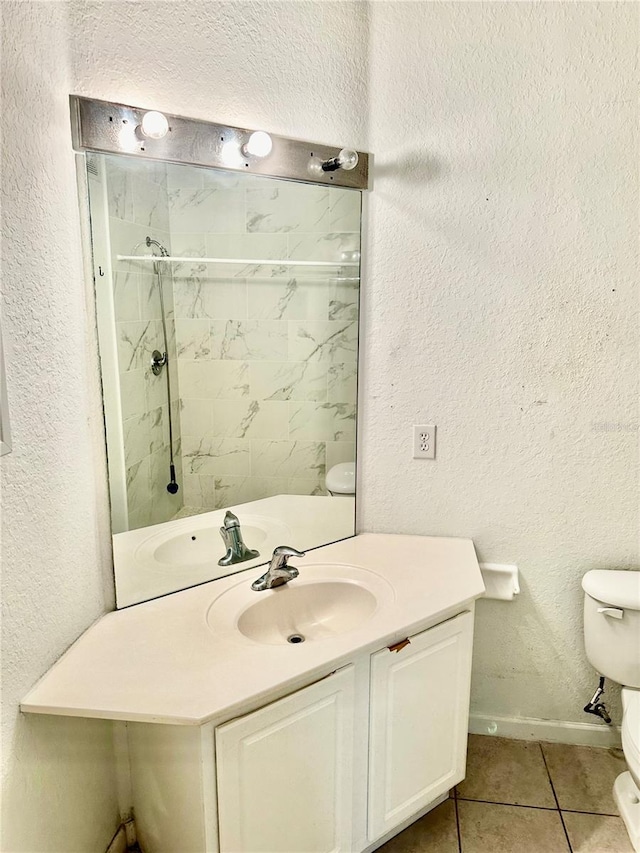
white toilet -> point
(612, 643)
(341, 479)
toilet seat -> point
(631, 731)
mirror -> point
(229, 368)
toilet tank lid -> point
(616, 587)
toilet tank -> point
(612, 624)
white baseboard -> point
(558, 731)
(118, 842)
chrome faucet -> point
(278, 572)
(237, 551)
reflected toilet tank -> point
(341, 479)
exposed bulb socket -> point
(347, 160)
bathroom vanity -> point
(240, 740)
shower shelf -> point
(246, 261)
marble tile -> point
(313, 487)
(340, 451)
(119, 184)
(187, 177)
(136, 342)
(138, 486)
(199, 298)
(155, 389)
(331, 341)
(505, 829)
(196, 416)
(199, 176)
(286, 207)
(150, 204)
(327, 247)
(143, 435)
(288, 298)
(589, 833)
(228, 380)
(124, 238)
(342, 383)
(300, 459)
(250, 419)
(139, 518)
(193, 339)
(343, 300)
(500, 770)
(282, 207)
(199, 491)
(249, 340)
(235, 490)
(205, 210)
(150, 308)
(322, 421)
(281, 380)
(436, 832)
(217, 456)
(251, 246)
(126, 296)
(132, 393)
(338, 210)
(583, 776)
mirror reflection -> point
(228, 325)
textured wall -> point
(58, 788)
(502, 306)
(294, 68)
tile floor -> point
(525, 797)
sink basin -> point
(323, 602)
(193, 542)
(309, 611)
(202, 546)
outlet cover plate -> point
(424, 441)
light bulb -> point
(259, 144)
(154, 125)
(230, 154)
(347, 159)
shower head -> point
(164, 252)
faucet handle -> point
(280, 556)
(287, 551)
(230, 520)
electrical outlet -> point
(424, 441)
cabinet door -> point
(419, 718)
(285, 773)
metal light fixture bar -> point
(112, 128)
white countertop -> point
(160, 662)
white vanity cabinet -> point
(418, 714)
(338, 766)
(285, 772)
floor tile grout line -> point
(515, 805)
(555, 797)
(595, 814)
(455, 806)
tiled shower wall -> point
(138, 206)
(266, 353)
